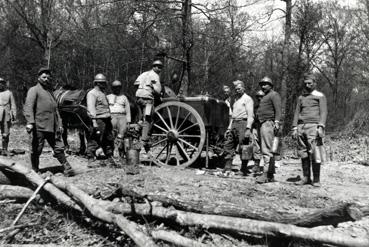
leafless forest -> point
(208, 44)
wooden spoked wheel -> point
(178, 134)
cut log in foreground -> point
(229, 224)
(37, 180)
(328, 216)
(15, 192)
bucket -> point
(133, 157)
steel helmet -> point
(116, 83)
(157, 62)
(100, 78)
(238, 82)
(267, 80)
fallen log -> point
(327, 216)
(175, 238)
(14, 192)
(229, 224)
(129, 227)
(37, 180)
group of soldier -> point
(260, 124)
(256, 124)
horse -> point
(72, 105)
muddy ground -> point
(345, 178)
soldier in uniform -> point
(44, 122)
(120, 114)
(308, 128)
(149, 88)
(102, 132)
(239, 129)
(8, 112)
(269, 115)
(257, 155)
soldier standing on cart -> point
(239, 129)
(149, 88)
(120, 114)
(308, 129)
(269, 114)
(102, 132)
(8, 111)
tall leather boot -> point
(35, 162)
(316, 174)
(305, 163)
(5, 146)
(244, 170)
(271, 170)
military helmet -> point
(238, 82)
(100, 78)
(267, 80)
(116, 83)
(157, 62)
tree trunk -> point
(328, 216)
(15, 192)
(286, 55)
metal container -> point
(275, 145)
(133, 157)
(247, 151)
(317, 155)
(127, 144)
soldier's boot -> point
(268, 175)
(256, 169)
(227, 165)
(68, 170)
(35, 161)
(244, 169)
(5, 146)
(305, 163)
(316, 174)
(271, 170)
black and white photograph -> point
(187, 123)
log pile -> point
(185, 215)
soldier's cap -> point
(157, 62)
(44, 70)
(2, 80)
(239, 83)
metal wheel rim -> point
(165, 131)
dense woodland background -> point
(216, 40)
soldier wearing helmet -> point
(269, 115)
(148, 89)
(120, 113)
(308, 128)
(8, 111)
(256, 170)
(239, 129)
(102, 132)
(44, 122)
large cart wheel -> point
(178, 134)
